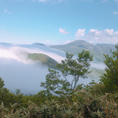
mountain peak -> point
(41, 44)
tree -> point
(110, 77)
(54, 84)
(1, 83)
(71, 66)
(6, 96)
(76, 67)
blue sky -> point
(58, 21)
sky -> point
(58, 21)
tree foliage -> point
(92, 101)
(110, 77)
(54, 84)
(76, 67)
(1, 83)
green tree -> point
(71, 66)
(75, 67)
(54, 84)
(6, 96)
(110, 77)
(1, 83)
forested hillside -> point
(63, 98)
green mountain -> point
(77, 46)
(42, 58)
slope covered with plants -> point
(66, 98)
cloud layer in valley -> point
(20, 54)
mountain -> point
(97, 50)
(28, 53)
(50, 55)
(55, 53)
(6, 44)
(42, 58)
(43, 48)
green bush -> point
(110, 77)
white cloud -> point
(80, 32)
(63, 31)
(108, 36)
(94, 31)
(20, 54)
(15, 53)
(109, 31)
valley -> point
(23, 66)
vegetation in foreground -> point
(63, 96)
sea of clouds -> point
(20, 54)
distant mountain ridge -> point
(51, 55)
(74, 47)
(42, 58)
(97, 50)
(28, 53)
